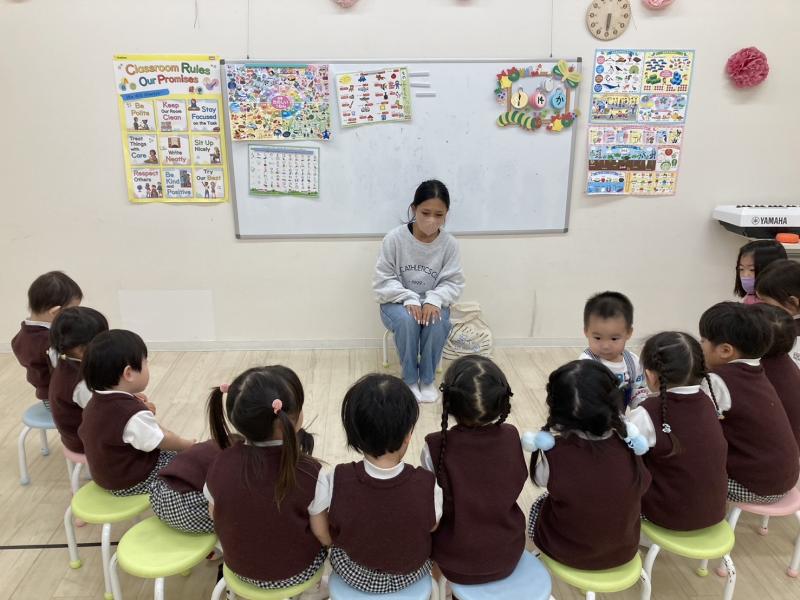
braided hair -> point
(677, 359)
(584, 396)
(476, 393)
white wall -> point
(63, 191)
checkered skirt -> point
(301, 577)
(144, 487)
(370, 581)
(536, 508)
(738, 493)
(184, 511)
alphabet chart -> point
(284, 170)
(172, 129)
(638, 113)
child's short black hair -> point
(76, 326)
(378, 413)
(52, 289)
(743, 327)
(107, 356)
(608, 305)
(782, 325)
(764, 253)
(780, 280)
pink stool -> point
(75, 462)
(788, 505)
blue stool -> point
(421, 590)
(36, 417)
(530, 580)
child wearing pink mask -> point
(417, 277)
(753, 257)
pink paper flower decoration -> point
(747, 67)
(656, 4)
(345, 3)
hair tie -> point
(635, 440)
(224, 387)
(542, 440)
(277, 405)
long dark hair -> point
(677, 358)
(764, 252)
(584, 395)
(427, 190)
(248, 406)
(476, 393)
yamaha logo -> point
(754, 220)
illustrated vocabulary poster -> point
(377, 96)
(284, 170)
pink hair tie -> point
(277, 405)
(224, 387)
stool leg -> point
(730, 586)
(158, 593)
(45, 447)
(651, 558)
(105, 550)
(219, 589)
(795, 564)
(386, 348)
(23, 462)
(733, 518)
(702, 570)
(115, 587)
(646, 586)
(69, 473)
(589, 595)
(435, 591)
(75, 480)
(72, 546)
(764, 529)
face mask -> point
(428, 226)
(748, 284)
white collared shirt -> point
(142, 430)
(641, 418)
(721, 392)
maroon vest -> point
(590, 519)
(481, 534)
(688, 490)
(762, 452)
(115, 465)
(383, 524)
(187, 471)
(30, 347)
(66, 414)
(262, 541)
(784, 376)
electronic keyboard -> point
(759, 220)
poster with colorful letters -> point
(169, 110)
(377, 96)
(638, 114)
(278, 102)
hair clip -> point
(635, 440)
(277, 405)
(666, 428)
(224, 387)
(542, 440)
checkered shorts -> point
(373, 582)
(144, 487)
(536, 508)
(184, 511)
(301, 577)
(738, 493)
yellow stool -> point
(605, 581)
(93, 504)
(702, 544)
(153, 550)
(231, 582)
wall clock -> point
(608, 19)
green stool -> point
(702, 544)
(153, 550)
(231, 582)
(605, 581)
(95, 505)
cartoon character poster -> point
(168, 104)
(638, 112)
(273, 102)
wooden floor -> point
(33, 515)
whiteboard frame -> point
(296, 62)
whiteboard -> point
(502, 180)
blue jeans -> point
(420, 347)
